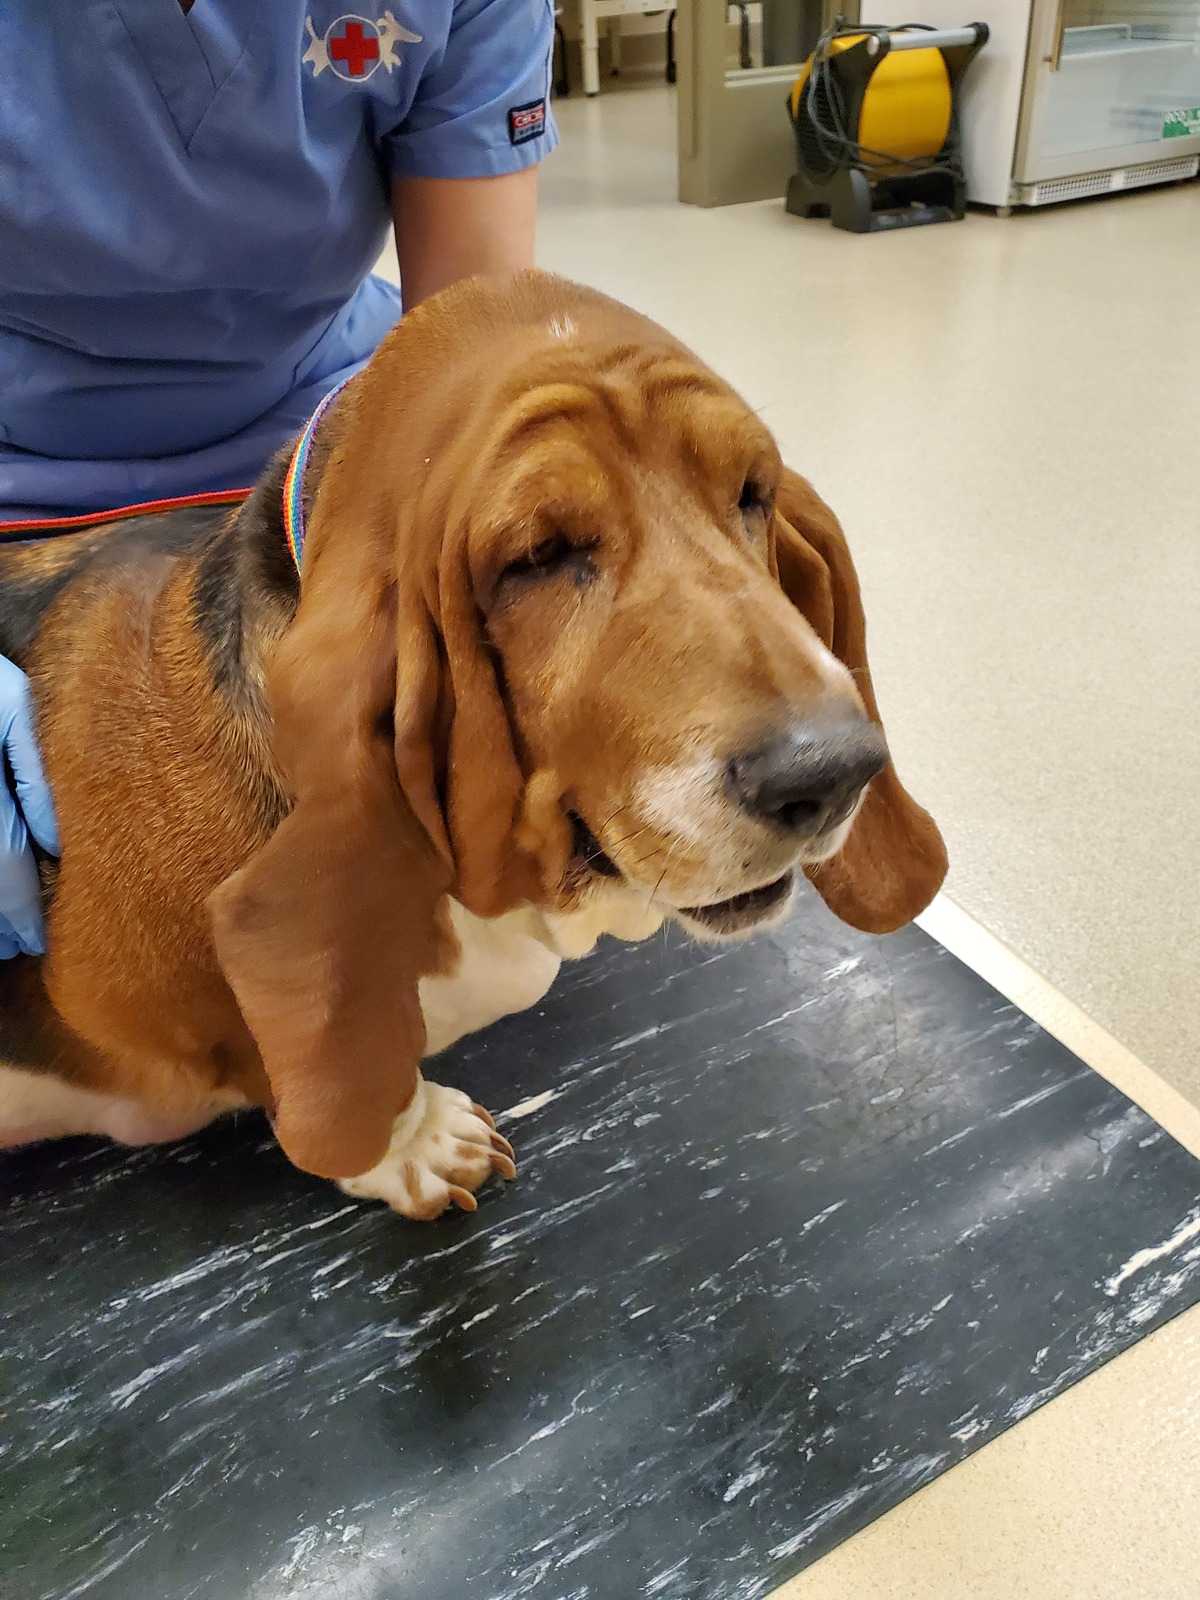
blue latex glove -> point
(29, 811)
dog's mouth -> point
(741, 912)
(738, 914)
(587, 852)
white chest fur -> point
(508, 963)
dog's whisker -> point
(631, 838)
(665, 870)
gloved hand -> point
(29, 811)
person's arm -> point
(25, 808)
(452, 228)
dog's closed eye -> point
(755, 505)
(553, 557)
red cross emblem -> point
(353, 48)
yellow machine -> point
(876, 134)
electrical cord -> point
(836, 144)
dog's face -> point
(704, 741)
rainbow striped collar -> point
(293, 483)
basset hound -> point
(571, 653)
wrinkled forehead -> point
(583, 413)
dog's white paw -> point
(442, 1148)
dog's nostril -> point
(795, 813)
(808, 776)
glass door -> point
(1109, 83)
(736, 63)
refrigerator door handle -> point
(1054, 59)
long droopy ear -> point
(325, 932)
(506, 832)
(894, 860)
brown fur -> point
(247, 901)
(894, 861)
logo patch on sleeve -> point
(527, 122)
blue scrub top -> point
(190, 206)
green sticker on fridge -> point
(1182, 123)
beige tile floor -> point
(1005, 415)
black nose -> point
(807, 777)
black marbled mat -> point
(798, 1225)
